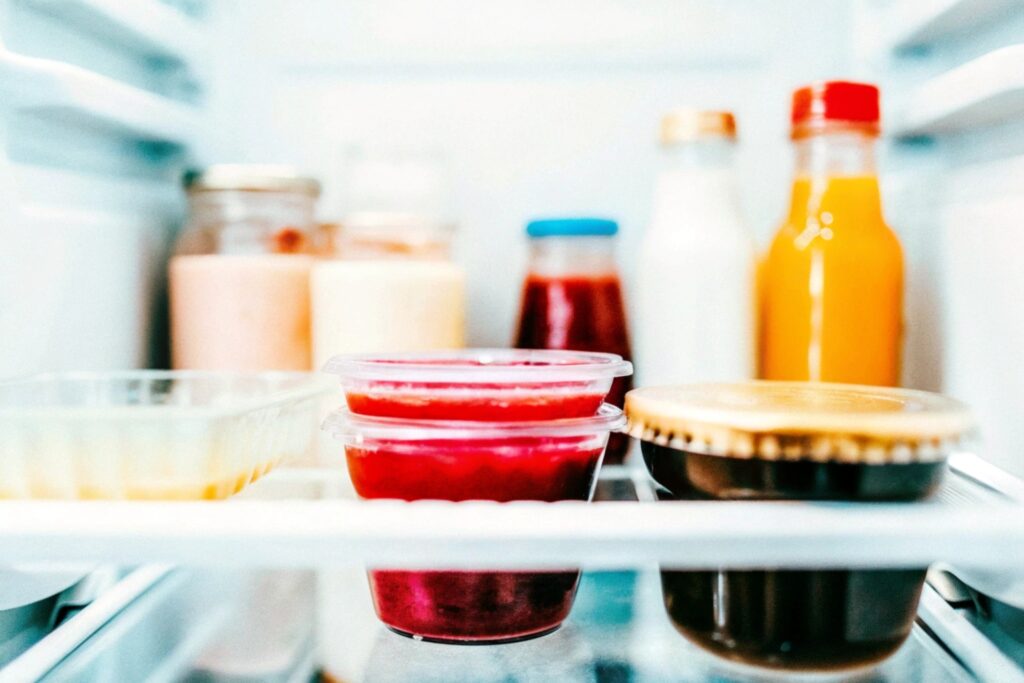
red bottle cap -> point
(846, 102)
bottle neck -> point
(588, 256)
(702, 154)
(841, 153)
(835, 172)
(697, 185)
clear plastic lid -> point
(480, 366)
(355, 429)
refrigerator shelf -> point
(194, 624)
(985, 91)
(967, 523)
(150, 27)
(75, 95)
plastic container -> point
(456, 461)
(795, 441)
(151, 435)
(478, 384)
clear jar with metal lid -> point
(249, 209)
(386, 283)
(239, 280)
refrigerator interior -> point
(533, 109)
(536, 108)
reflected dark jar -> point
(793, 620)
(814, 620)
(796, 620)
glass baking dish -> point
(152, 434)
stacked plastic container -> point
(497, 425)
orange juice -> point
(833, 281)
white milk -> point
(695, 306)
(387, 305)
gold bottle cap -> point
(686, 125)
(800, 421)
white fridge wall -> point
(96, 114)
(954, 70)
(543, 107)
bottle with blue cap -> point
(572, 297)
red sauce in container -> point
(545, 461)
(483, 385)
(470, 605)
(540, 405)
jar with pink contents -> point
(239, 280)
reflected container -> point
(795, 441)
(491, 385)
(457, 461)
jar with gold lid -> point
(789, 441)
(239, 279)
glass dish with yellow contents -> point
(152, 434)
(795, 441)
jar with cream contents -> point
(795, 441)
(239, 280)
(386, 284)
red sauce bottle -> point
(572, 298)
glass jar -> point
(239, 280)
(795, 441)
(386, 284)
(572, 298)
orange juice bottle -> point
(832, 288)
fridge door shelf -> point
(985, 91)
(921, 23)
(970, 523)
(152, 28)
(75, 95)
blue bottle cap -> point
(572, 227)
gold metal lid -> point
(800, 420)
(251, 178)
(686, 125)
